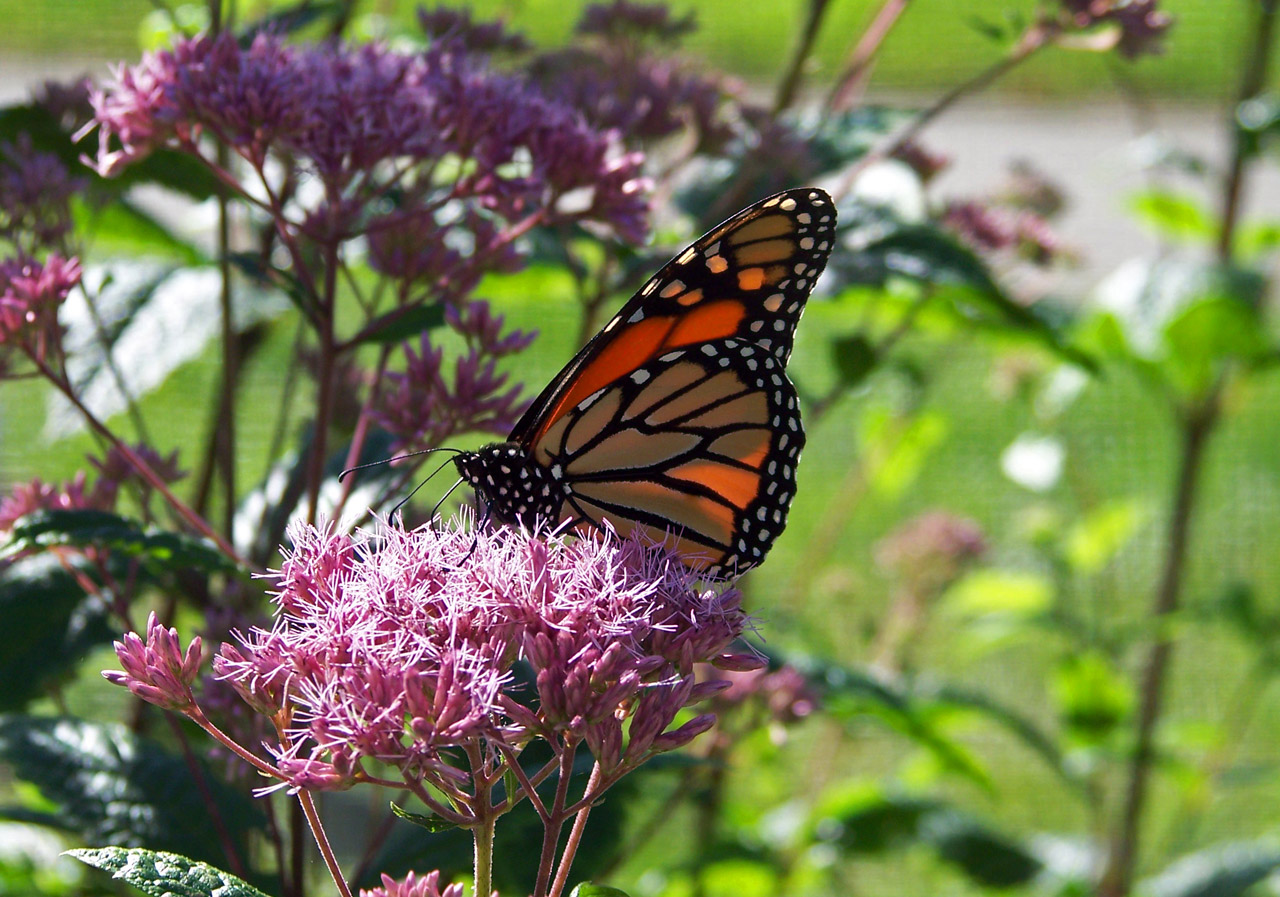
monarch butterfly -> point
(678, 418)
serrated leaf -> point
(430, 823)
(159, 550)
(110, 786)
(49, 626)
(161, 874)
(1227, 870)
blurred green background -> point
(937, 43)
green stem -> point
(790, 84)
(1117, 877)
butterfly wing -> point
(748, 278)
(678, 416)
(701, 441)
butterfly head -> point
(515, 489)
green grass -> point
(935, 45)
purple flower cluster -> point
(931, 549)
(423, 407)
(114, 471)
(1141, 24)
(399, 647)
(456, 25)
(367, 119)
(31, 292)
(993, 228)
(620, 84)
(35, 198)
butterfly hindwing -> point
(701, 441)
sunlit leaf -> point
(1179, 216)
(1098, 537)
(161, 874)
(995, 591)
(430, 823)
(1091, 696)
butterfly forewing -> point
(678, 417)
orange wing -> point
(748, 278)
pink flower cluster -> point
(364, 119)
(31, 292)
(401, 648)
(424, 405)
(1141, 24)
(114, 471)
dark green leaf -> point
(158, 550)
(586, 889)
(163, 874)
(430, 823)
(113, 787)
(855, 358)
(292, 19)
(876, 248)
(988, 858)
(49, 625)
(879, 823)
(402, 324)
(1227, 870)
(253, 267)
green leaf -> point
(163, 874)
(586, 889)
(1227, 870)
(877, 248)
(988, 858)
(160, 551)
(253, 267)
(1180, 321)
(121, 228)
(1176, 215)
(1004, 592)
(1092, 698)
(872, 822)
(402, 324)
(430, 823)
(1258, 238)
(111, 786)
(855, 358)
(292, 19)
(49, 626)
(1099, 536)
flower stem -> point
(851, 82)
(790, 84)
(1117, 877)
(141, 466)
(483, 834)
(575, 836)
(1197, 426)
(322, 841)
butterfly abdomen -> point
(515, 489)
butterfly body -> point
(678, 417)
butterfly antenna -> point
(398, 458)
(444, 497)
(402, 502)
